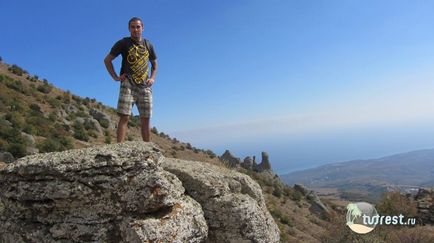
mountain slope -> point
(401, 171)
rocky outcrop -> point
(233, 203)
(317, 206)
(248, 162)
(229, 158)
(128, 193)
(115, 193)
(425, 205)
(101, 117)
(265, 163)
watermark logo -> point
(362, 218)
(355, 214)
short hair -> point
(135, 19)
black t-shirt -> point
(135, 58)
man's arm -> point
(109, 65)
(154, 67)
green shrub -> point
(55, 103)
(89, 125)
(66, 97)
(46, 89)
(80, 132)
(81, 113)
(284, 219)
(296, 196)
(16, 119)
(17, 149)
(29, 129)
(16, 105)
(48, 145)
(16, 85)
(104, 123)
(108, 139)
(133, 121)
(277, 191)
(394, 203)
(92, 134)
(77, 99)
(52, 116)
(35, 107)
(17, 70)
(210, 153)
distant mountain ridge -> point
(399, 171)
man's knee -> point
(145, 121)
(123, 119)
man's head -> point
(135, 26)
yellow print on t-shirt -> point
(138, 60)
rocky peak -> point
(129, 192)
(228, 157)
(265, 162)
(248, 162)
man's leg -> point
(122, 128)
(145, 128)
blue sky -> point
(309, 81)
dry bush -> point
(394, 203)
(411, 235)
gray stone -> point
(96, 125)
(61, 113)
(317, 206)
(247, 163)
(100, 116)
(265, 162)
(71, 108)
(29, 138)
(113, 193)
(6, 157)
(31, 150)
(230, 159)
(80, 120)
(233, 203)
(425, 206)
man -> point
(136, 83)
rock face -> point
(425, 205)
(248, 162)
(100, 116)
(233, 203)
(121, 193)
(265, 163)
(230, 159)
(115, 193)
(317, 206)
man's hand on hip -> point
(120, 78)
(150, 82)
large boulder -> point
(129, 192)
(317, 206)
(103, 118)
(114, 193)
(233, 203)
